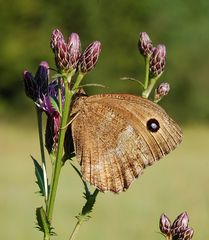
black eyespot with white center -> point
(153, 125)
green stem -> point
(148, 90)
(146, 81)
(39, 118)
(58, 161)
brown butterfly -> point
(116, 136)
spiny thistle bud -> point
(180, 223)
(187, 234)
(62, 56)
(165, 225)
(36, 86)
(158, 60)
(145, 44)
(55, 38)
(161, 91)
(74, 48)
(89, 57)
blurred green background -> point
(177, 184)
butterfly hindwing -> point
(113, 142)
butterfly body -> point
(117, 135)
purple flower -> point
(38, 85)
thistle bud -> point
(41, 77)
(180, 223)
(62, 56)
(89, 57)
(55, 38)
(74, 48)
(187, 234)
(158, 60)
(145, 44)
(161, 91)
(165, 225)
(30, 85)
(36, 86)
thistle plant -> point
(53, 98)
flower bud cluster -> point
(68, 56)
(157, 55)
(179, 230)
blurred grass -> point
(175, 184)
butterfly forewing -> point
(113, 140)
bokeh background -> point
(178, 183)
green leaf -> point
(39, 176)
(43, 223)
(93, 85)
(55, 104)
(132, 79)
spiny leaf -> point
(43, 223)
(39, 176)
(87, 193)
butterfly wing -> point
(117, 135)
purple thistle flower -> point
(89, 57)
(38, 85)
(53, 116)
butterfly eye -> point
(153, 125)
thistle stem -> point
(39, 119)
(58, 161)
(146, 81)
(148, 90)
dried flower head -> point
(158, 60)
(145, 44)
(89, 57)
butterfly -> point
(116, 136)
